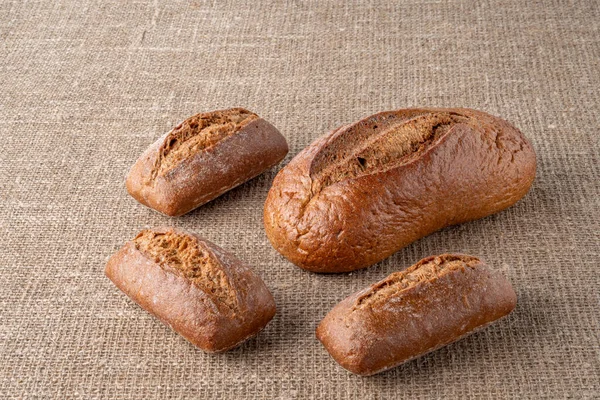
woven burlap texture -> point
(86, 86)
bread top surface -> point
(184, 255)
(424, 272)
(437, 284)
(381, 142)
(196, 134)
(388, 140)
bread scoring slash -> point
(365, 190)
(202, 158)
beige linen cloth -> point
(86, 86)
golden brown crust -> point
(435, 302)
(202, 158)
(198, 289)
(365, 190)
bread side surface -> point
(365, 190)
(437, 301)
(198, 289)
(203, 157)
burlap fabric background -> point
(86, 86)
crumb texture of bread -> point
(382, 143)
(182, 253)
(425, 271)
(198, 133)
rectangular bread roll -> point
(198, 289)
(202, 158)
(410, 313)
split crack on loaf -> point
(426, 271)
(197, 134)
(379, 144)
(184, 255)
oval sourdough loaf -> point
(202, 158)
(198, 289)
(365, 190)
(435, 302)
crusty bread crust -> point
(435, 302)
(216, 304)
(174, 179)
(364, 191)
